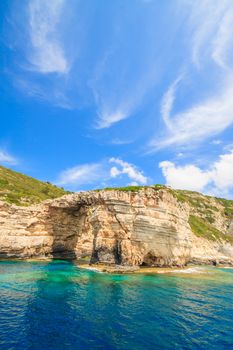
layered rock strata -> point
(149, 227)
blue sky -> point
(97, 93)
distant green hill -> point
(21, 189)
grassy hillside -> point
(20, 189)
(205, 206)
(210, 217)
(132, 188)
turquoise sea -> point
(56, 305)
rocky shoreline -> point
(123, 269)
(148, 228)
(119, 269)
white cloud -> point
(228, 147)
(211, 27)
(217, 180)
(47, 54)
(114, 172)
(187, 177)
(100, 174)
(222, 172)
(216, 142)
(53, 95)
(223, 40)
(108, 119)
(167, 103)
(129, 169)
(81, 175)
(111, 107)
(126, 71)
(122, 102)
(6, 158)
(195, 124)
(211, 39)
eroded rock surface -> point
(149, 227)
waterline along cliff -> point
(150, 226)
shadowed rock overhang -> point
(149, 227)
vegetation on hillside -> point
(201, 228)
(228, 206)
(206, 206)
(203, 213)
(132, 188)
(19, 189)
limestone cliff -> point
(149, 227)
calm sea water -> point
(56, 305)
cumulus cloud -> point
(114, 172)
(6, 158)
(129, 169)
(101, 175)
(188, 177)
(46, 55)
(217, 179)
(222, 172)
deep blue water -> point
(56, 305)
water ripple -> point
(56, 306)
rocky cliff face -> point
(148, 227)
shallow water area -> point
(56, 305)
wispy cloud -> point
(54, 95)
(222, 43)
(216, 180)
(46, 54)
(117, 141)
(80, 175)
(208, 118)
(7, 158)
(118, 61)
(107, 119)
(216, 142)
(211, 25)
(129, 67)
(167, 103)
(211, 41)
(123, 102)
(115, 76)
(126, 93)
